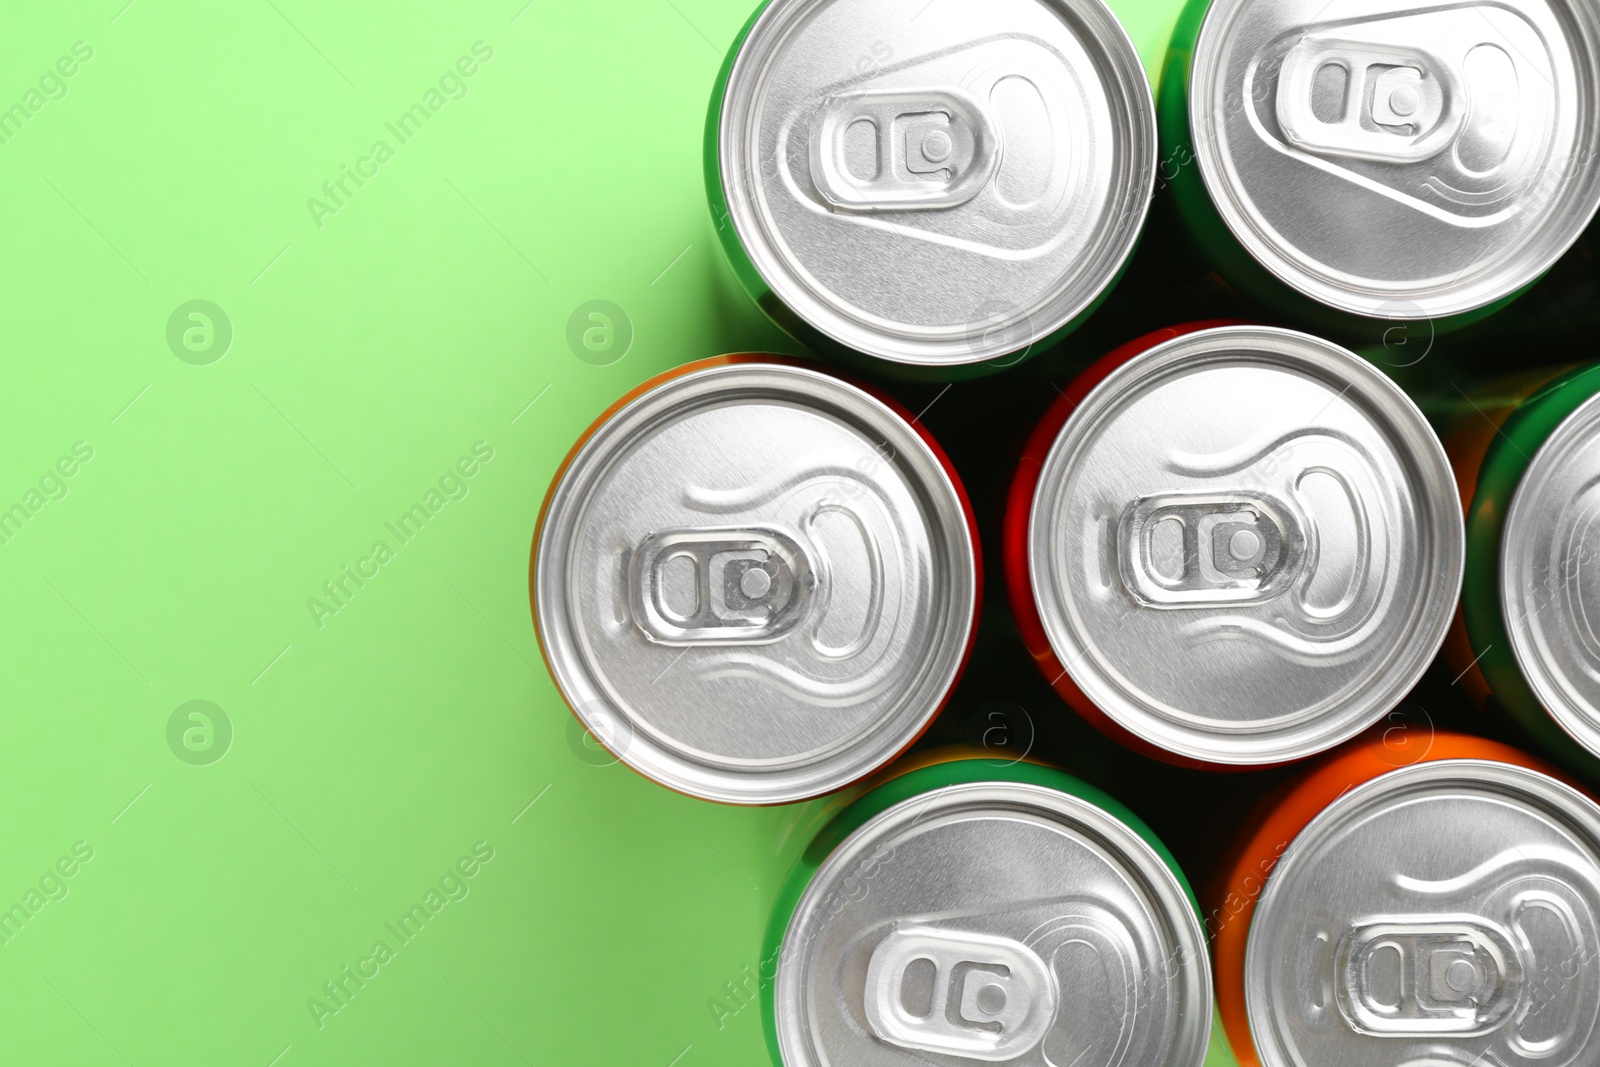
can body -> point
(755, 582)
(1229, 545)
(900, 200)
(1518, 644)
(1107, 897)
(1386, 885)
(1311, 194)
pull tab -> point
(1368, 100)
(1179, 550)
(719, 585)
(929, 149)
(974, 995)
(1456, 976)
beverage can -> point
(755, 582)
(944, 189)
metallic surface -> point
(1245, 545)
(1403, 162)
(994, 922)
(937, 186)
(1549, 584)
(1444, 914)
(755, 583)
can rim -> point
(1441, 298)
(580, 681)
(1540, 792)
(1536, 670)
(1119, 845)
(764, 247)
(1403, 423)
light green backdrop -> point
(377, 339)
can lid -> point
(1245, 545)
(937, 185)
(1401, 162)
(1549, 586)
(990, 922)
(1444, 913)
(755, 583)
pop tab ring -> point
(1274, 515)
(1236, 548)
(1398, 105)
(745, 586)
(945, 140)
(1424, 975)
(1444, 914)
(991, 998)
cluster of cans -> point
(1226, 545)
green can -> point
(1353, 168)
(1526, 451)
(937, 196)
(971, 911)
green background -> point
(372, 347)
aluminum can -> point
(945, 188)
(1442, 911)
(1233, 545)
(964, 913)
(755, 582)
(1527, 454)
(1353, 164)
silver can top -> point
(1444, 914)
(1400, 161)
(937, 185)
(755, 583)
(1246, 545)
(1549, 584)
(993, 922)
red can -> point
(1231, 545)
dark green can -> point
(939, 196)
(976, 912)
(1354, 168)
(1527, 456)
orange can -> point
(736, 543)
(1386, 906)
